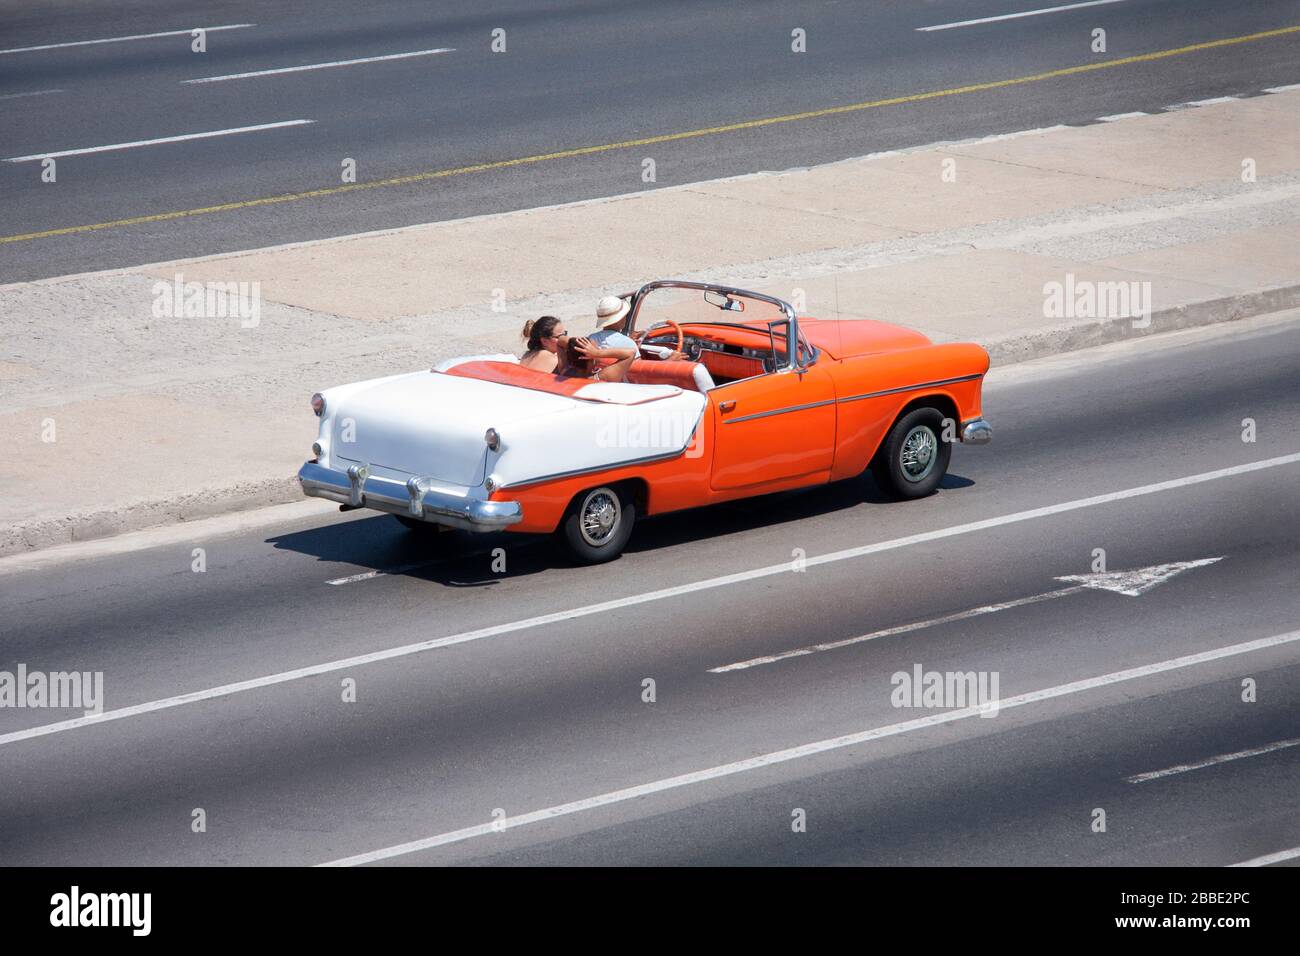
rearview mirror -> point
(723, 301)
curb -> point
(45, 532)
(1083, 335)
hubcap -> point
(599, 517)
(919, 454)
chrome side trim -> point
(912, 388)
(524, 483)
(778, 411)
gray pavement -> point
(543, 716)
(572, 76)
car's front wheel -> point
(913, 458)
(598, 523)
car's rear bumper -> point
(357, 488)
(976, 432)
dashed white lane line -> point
(1132, 583)
(55, 154)
(1213, 761)
(18, 96)
(1116, 117)
(320, 66)
(367, 575)
(1279, 857)
(1017, 16)
(1282, 89)
(137, 36)
(895, 631)
(361, 660)
(866, 549)
(810, 750)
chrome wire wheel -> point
(918, 454)
(599, 516)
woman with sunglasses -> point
(545, 338)
(548, 351)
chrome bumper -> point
(977, 432)
(357, 488)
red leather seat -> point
(679, 372)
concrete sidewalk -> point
(155, 419)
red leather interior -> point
(663, 372)
(724, 365)
(508, 373)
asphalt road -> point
(550, 718)
(572, 75)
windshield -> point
(708, 306)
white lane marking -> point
(893, 631)
(1129, 583)
(1279, 857)
(556, 617)
(1212, 101)
(18, 96)
(155, 142)
(367, 575)
(925, 536)
(138, 36)
(1212, 761)
(1138, 581)
(1282, 89)
(812, 749)
(1116, 117)
(319, 66)
(1017, 16)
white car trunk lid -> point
(432, 425)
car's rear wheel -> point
(913, 458)
(599, 523)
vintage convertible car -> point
(763, 401)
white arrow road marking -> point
(1138, 581)
(811, 750)
(1130, 583)
(1279, 857)
(1212, 761)
(693, 587)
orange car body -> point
(734, 395)
(789, 429)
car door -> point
(772, 428)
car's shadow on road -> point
(459, 559)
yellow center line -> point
(654, 140)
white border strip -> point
(138, 36)
(319, 66)
(1017, 16)
(810, 750)
(155, 142)
(465, 637)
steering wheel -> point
(681, 339)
